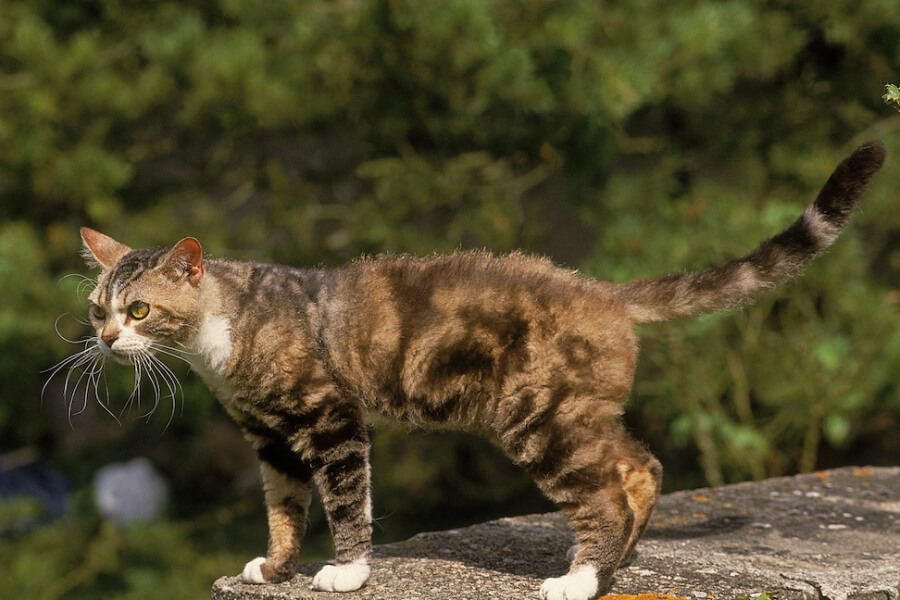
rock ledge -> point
(832, 535)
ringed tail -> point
(775, 260)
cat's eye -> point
(138, 310)
(98, 313)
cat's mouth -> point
(125, 349)
(121, 357)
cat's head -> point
(146, 300)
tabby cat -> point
(537, 358)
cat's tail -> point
(773, 262)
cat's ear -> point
(186, 261)
(101, 250)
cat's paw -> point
(627, 560)
(253, 571)
(579, 584)
(342, 578)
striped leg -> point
(287, 502)
(582, 459)
(340, 454)
(602, 521)
(329, 446)
(609, 503)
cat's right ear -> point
(101, 250)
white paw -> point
(342, 578)
(253, 571)
(579, 584)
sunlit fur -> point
(537, 358)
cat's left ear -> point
(101, 250)
(186, 259)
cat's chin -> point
(123, 358)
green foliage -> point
(87, 558)
(892, 95)
(625, 139)
(17, 510)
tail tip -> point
(869, 157)
(844, 189)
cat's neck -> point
(213, 343)
(232, 290)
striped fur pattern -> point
(775, 261)
(537, 358)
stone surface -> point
(832, 535)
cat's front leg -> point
(287, 502)
(342, 476)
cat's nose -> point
(109, 340)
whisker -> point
(154, 376)
(88, 348)
(71, 363)
(154, 383)
(88, 376)
(72, 360)
(77, 320)
(172, 383)
(86, 358)
(135, 390)
(182, 349)
(105, 405)
(167, 377)
(84, 379)
(173, 352)
(93, 379)
(84, 286)
(89, 364)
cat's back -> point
(474, 275)
(471, 282)
(467, 317)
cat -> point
(537, 358)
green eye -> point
(98, 313)
(138, 310)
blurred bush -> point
(624, 139)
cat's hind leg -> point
(606, 483)
(609, 503)
(601, 521)
(641, 475)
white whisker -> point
(105, 405)
(86, 362)
(154, 382)
(77, 320)
(172, 384)
(135, 396)
(91, 371)
(84, 378)
(173, 352)
(84, 286)
(70, 361)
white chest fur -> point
(212, 348)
